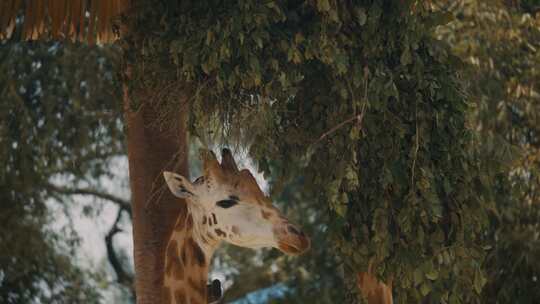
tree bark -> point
(151, 150)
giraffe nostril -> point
(292, 229)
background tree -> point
(151, 149)
(57, 123)
(499, 41)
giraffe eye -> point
(226, 203)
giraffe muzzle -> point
(292, 240)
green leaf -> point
(425, 288)
(479, 281)
(454, 299)
(254, 64)
(406, 57)
(354, 134)
(323, 5)
(241, 37)
(341, 209)
(259, 42)
(439, 18)
(418, 276)
(361, 16)
(209, 37)
(433, 274)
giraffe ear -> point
(179, 185)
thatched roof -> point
(88, 21)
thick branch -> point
(122, 203)
(122, 276)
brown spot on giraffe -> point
(196, 301)
(235, 230)
(196, 251)
(180, 295)
(199, 287)
(180, 222)
(172, 254)
(221, 233)
(189, 222)
(173, 263)
(184, 255)
(178, 269)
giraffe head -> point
(226, 204)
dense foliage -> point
(358, 97)
(56, 120)
(500, 43)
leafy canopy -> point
(355, 96)
(499, 42)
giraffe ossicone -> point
(223, 205)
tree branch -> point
(358, 117)
(122, 276)
(122, 203)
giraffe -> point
(223, 205)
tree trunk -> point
(150, 151)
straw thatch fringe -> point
(88, 21)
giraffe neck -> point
(187, 263)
